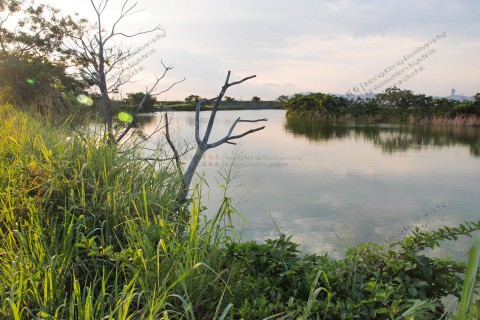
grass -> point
(468, 308)
(88, 231)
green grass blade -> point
(470, 281)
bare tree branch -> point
(147, 93)
(202, 143)
(176, 156)
(217, 103)
(229, 137)
(104, 63)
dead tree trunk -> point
(202, 143)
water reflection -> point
(314, 179)
(390, 138)
(145, 120)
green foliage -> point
(134, 100)
(393, 105)
(256, 99)
(316, 104)
(467, 308)
(477, 98)
(89, 232)
(371, 282)
(193, 99)
(282, 99)
(397, 98)
(34, 82)
(270, 276)
(431, 239)
(33, 60)
(38, 32)
(466, 108)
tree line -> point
(394, 104)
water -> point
(332, 185)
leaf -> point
(413, 291)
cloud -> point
(313, 45)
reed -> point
(467, 302)
(88, 231)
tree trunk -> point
(202, 143)
(188, 176)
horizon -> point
(326, 46)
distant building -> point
(455, 96)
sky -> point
(338, 47)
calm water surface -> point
(331, 185)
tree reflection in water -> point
(390, 137)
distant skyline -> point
(308, 46)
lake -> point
(333, 184)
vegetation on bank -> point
(90, 231)
(225, 105)
(394, 105)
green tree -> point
(134, 100)
(477, 98)
(33, 61)
(396, 98)
(193, 99)
(256, 99)
(229, 99)
(282, 99)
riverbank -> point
(87, 230)
(393, 106)
(234, 105)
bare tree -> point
(148, 92)
(105, 63)
(202, 143)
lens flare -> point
(125, 117)
(86, 100)
(32, 81)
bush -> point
(371, 282)
(394, 105)
(88, 231)
(466, 108)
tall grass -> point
(87, 231)
(461, 120)
(467, 307)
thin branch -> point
(122, 15)
(229, 136)
(176, 156)
(202, 144)
(157, 28)
(217, 103)
(145, 138)
(170, 87)
(166, 159)
(240, 81)
(148, 93)
(244, 134)
(197, 121)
